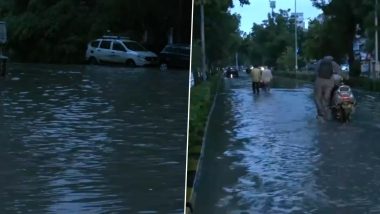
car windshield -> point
(178, 50)
(185, 51)
(134, 46)
(344, 88)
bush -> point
(364, 83)
(355, 70)
(293, 75)
(201, 97)
(355, 82)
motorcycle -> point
(343, 103)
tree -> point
(342, 19)
(59, 30)
(287, 59)
(268, 41)
(221, 30)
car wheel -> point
(163, 66)
(130, 63)
(93, 61)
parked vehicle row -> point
(175, 55)
(122, 50)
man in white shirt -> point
(266, 78)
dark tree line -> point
(222, 33)
(272, 42)
(343, 20)
(58, 30)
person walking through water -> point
(256, 77)
(324, 84)
(266, 78)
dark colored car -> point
(231, 72)
(175, 55)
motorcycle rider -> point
(324, 85)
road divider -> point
(202, 99)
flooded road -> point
(268, 154)
(92, 139)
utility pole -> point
(203, 41)
(376, 75)
(295, 34)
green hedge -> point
(201, 100)
(355, 82)
(364, 83)
(292, 75)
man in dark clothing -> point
(324, 85)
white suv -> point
(115, 49)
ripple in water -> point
(268, 154)
(73, 142)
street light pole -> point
(376, 44)
(295, 34)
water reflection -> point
(268, 154)
(92, 139)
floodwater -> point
(267, 153)
(92, 139)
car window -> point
(177, 50)
(134, 46)
(95, 44)
(184, 51)
(118, 47)
(169, 50)
(105, 44)
(344, 88)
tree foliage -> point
(343, 20)
(286, 61)
(221, 30)
(270, 41)
(59, 30)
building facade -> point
(300, 19)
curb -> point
(190, 202)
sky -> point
(258, 11)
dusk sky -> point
(258, 11)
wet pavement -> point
(268, 154)
(92, 139)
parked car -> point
(116, 49)
(175, 55)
